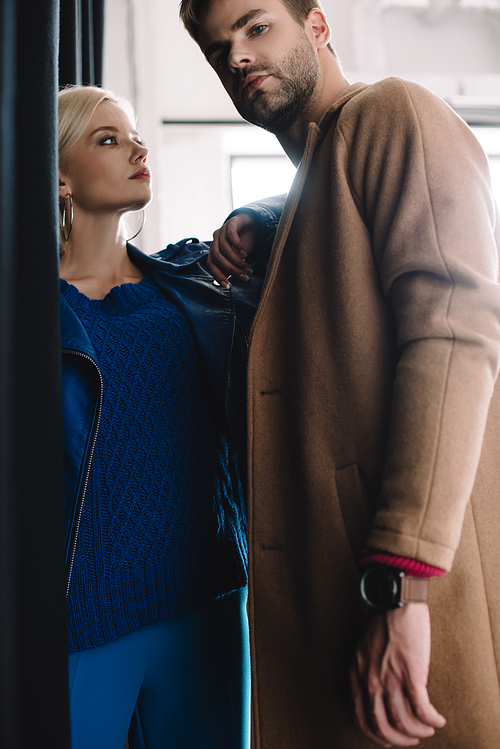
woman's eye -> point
(141, 142)
(111, 139)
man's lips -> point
(142, 173)
(251, 83)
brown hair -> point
(190, 12)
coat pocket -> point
(354, 505)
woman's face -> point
(106, 171)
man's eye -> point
(220, 61)
(258, 29)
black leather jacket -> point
(221, 321)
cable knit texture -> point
(409, 566)
(162, 530)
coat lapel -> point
(315, 136)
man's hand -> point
(231, 244)
(389, 678)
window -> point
(250, 173)
(489, 137)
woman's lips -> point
(143, 174)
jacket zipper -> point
(241, 328)
(89, 462)
(242, 331)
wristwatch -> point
(383, 587)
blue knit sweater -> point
(162, 529)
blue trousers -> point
(183, 683)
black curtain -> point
(81, 45)
(33, 661)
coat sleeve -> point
(421, 182)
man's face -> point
(264, 58)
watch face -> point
(380, 587)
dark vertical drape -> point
(70, 44)
(33, 699)
(33, 679)
(32, 606)
(81, 45)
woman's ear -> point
(319, 29)
(64, 188)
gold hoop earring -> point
(141, 226)
(64, 217)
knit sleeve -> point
(409, 566)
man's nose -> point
(239, 58)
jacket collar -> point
(173, 258)
(73, 334)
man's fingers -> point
(401, 716)
(423, 708)
(360, 709)
(391, 668)
(381, 726)
(388, 723)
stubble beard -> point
(279, 110)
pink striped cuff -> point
(409, 566)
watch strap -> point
(414, 589)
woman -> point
(156, 542)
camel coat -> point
(373, 360)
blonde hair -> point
(77, 105)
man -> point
(372, 364)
